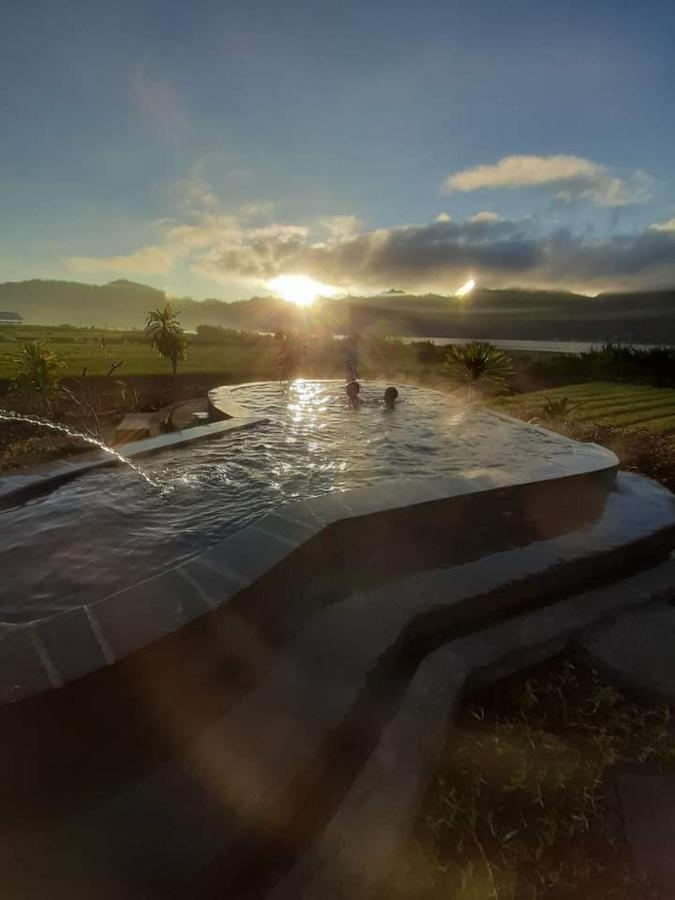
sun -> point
(466, 288)
(300, 289)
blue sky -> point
(207, 148)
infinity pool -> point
(109, 529)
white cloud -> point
(340, 228)
(572, 177)
(277, 231)
(442, 217)
(485, 215)
(194, 194)
(669, 225)
(257, 210)
(149, 260)
(206, 230)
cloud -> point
(485, 215)
(246, 246)
(194, 194)
(340, 228)
(572, 177)
(257, 210)
(436, 256)
(149, 260)
(663, 226)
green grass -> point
(245, 356)
(625, 406)
(97, 349)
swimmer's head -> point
(353, 389)
(390, 396)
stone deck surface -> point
(636, 652)
(241, 781)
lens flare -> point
(466, 288)
(300, 289)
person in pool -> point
(353, 389)
(390, 397)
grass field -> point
(96, 350)
(245, 355)
(624, 406)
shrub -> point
(37, 372)
(478, 363)
(555, 409)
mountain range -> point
(645, 317)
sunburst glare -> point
(300, 289)
(466, 288)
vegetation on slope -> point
(515, 313)
(618, 406)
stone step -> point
(355, 851)
(358, 848)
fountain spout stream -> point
(11, 416)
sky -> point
(210, 148)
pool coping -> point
(51, 651)
(230, 415)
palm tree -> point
(164, 333)
(37, 371)
(478, 362)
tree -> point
(166, 335)
(37, 371)
(478, 362)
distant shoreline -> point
(533, 346)
(568, 347)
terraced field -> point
(626, 406)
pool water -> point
(109, 529)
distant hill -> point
(647, 317)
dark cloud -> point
(442, 254)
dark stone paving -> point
(636, 651)
(647, 803)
